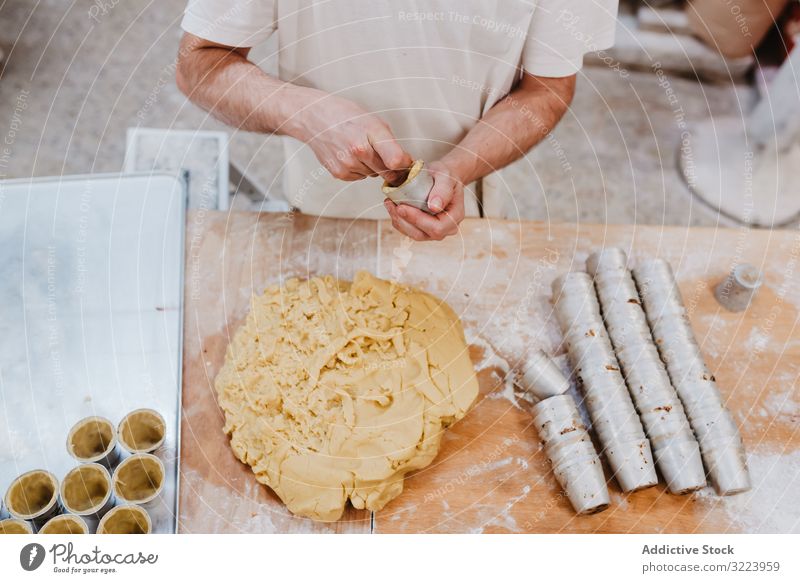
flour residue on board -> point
(501, 368)
(488, 516)
(771, 506)
(783, 405)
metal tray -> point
(91, 305)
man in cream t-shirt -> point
(365, 87)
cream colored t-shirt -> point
(429, 69)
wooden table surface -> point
(491, 474)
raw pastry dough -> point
(334, 391)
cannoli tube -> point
(86, 491)
(540, 376)
(126, 519)
(737, 290)
(139, 480)
(695, 385)
(697, 393)
(569, 448)
(414, 190)
(599, 376)
(142, 431)
(610, 260)
(15, 526)
(589, 351)
(681, 465)
(94, 440)
(65, 524)
(725, 469)
(557, 417)
(585, 486)
(717, 425)
(616, 433)
(633, 458)
(675, 450)
(629, 333)
(33, 496)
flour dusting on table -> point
(771, 506)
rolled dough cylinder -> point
(333, 391)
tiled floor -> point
(78, 76)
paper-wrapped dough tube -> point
(570, 450)
(540, 376)
(33, 496)
(675, 448)
(94, 440)
(142, 431)
(613, 415)
(126, 519)
(86, 492)
(65, 524)
(15, 526)
(139, 480)
(720, 442)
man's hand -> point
(446, 198)
(349, 141)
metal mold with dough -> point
(94, 440)
(414, 190)
(65, 524)
(86, 491)
(334, 391)
(139, 479)
(126, 519)
(142, 431)
(33, 496)
(15, 526)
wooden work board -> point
(491, 474)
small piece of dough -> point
(334, 391)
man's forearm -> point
(511, 127)
(349, 141)
(223, 82)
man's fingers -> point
(394, 157)
(370, 158)
(349, 169)
(441, 194)
(436, 228)
(402, 225)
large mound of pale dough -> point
(334, 391)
